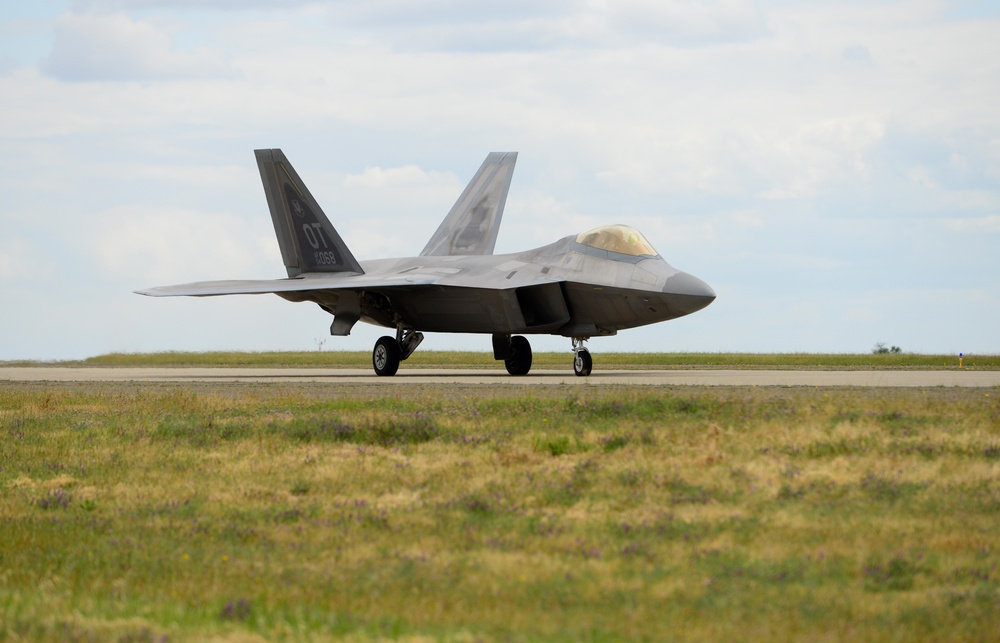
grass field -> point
(137, 512)
(606, 361)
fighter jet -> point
(587, 285)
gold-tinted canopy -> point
(622, 239)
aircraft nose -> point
(687, 284)
(689, 293)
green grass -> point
(314, 511)
(362, 359)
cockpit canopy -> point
(622, 239)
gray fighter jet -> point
(582, 286)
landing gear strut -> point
(389, 352)
(582, 362)
(408, 340)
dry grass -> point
(229, 511)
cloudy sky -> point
(832, 169)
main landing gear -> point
(582, 362)
(514, 351)
(389, 352)
(519, 362)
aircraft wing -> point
(433, 300)
(279, 286)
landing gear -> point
(519, 363)
(514, 351)
(582, 362)
(408, 340)
(385, 357)
(390, 352)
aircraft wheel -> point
(582, 363)
(520, 362)
(385, 357)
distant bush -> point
(882, 349)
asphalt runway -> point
(883, 379)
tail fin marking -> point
(308, 241)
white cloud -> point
(224, 178)
(688, 23)
(767, 147)
(747, 219)
(405, 176)
(15, 258)
(526, 25)
(113, 47)
(989, 224)
(389, 212)
(858, 54)
(127, 5)
(922, 177)
(171, 246)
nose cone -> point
(687, 293)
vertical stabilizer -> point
(472, 225)
(308, 241)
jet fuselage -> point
(564, 288)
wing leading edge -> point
(278, 286)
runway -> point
(877, 379)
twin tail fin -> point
(308, 241)
(472, 225)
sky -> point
(832, 169)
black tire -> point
(583, 363)
(520, 362)
(385, 356)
